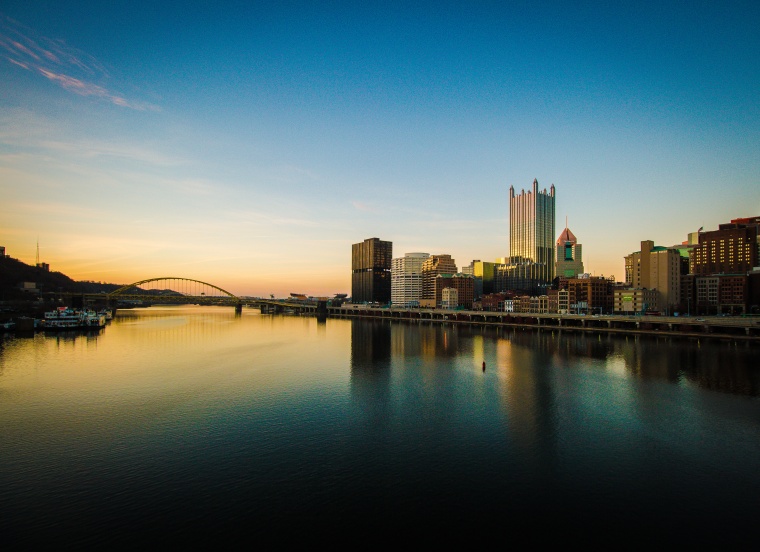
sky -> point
(249, 144)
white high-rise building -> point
(406, 279)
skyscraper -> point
(531, 230)
(569, 261)
(371, 271)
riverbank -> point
(736, 329)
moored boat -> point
(94, 319)
(108, 313)
(65, 318)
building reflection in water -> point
(407, 358)
(371, 371)
(529, 397)
(370, 348)
(377, 347)
(565, 399)
(719, 366)
(715, 365)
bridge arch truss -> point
(174, 288)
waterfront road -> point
(730, 327)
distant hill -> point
(13, 273)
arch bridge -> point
(176, 290)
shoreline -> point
(717, 328)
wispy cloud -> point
(364, 207)
(90, 149)
(68, 67)
(28, 136)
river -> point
(190, 423)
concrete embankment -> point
(736, 329)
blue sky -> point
(248, 144)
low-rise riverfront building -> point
(633, 300)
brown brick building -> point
(432, 267)
(593, 293)
(731, 249)
(463, 283)
(716, 294)
(493, 302)
(722, 265)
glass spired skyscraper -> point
(531, 231)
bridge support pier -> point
(239, 308)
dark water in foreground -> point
(191, 423)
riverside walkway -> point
(731, 328)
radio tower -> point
(37, 260)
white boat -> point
(94, 319)
(108, 313)
(65, 318)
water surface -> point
(190, 422)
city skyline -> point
(249, 146)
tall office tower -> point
(569, 255)
(371, 271)
(406, 279)
(432, 267)
(531, 230)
